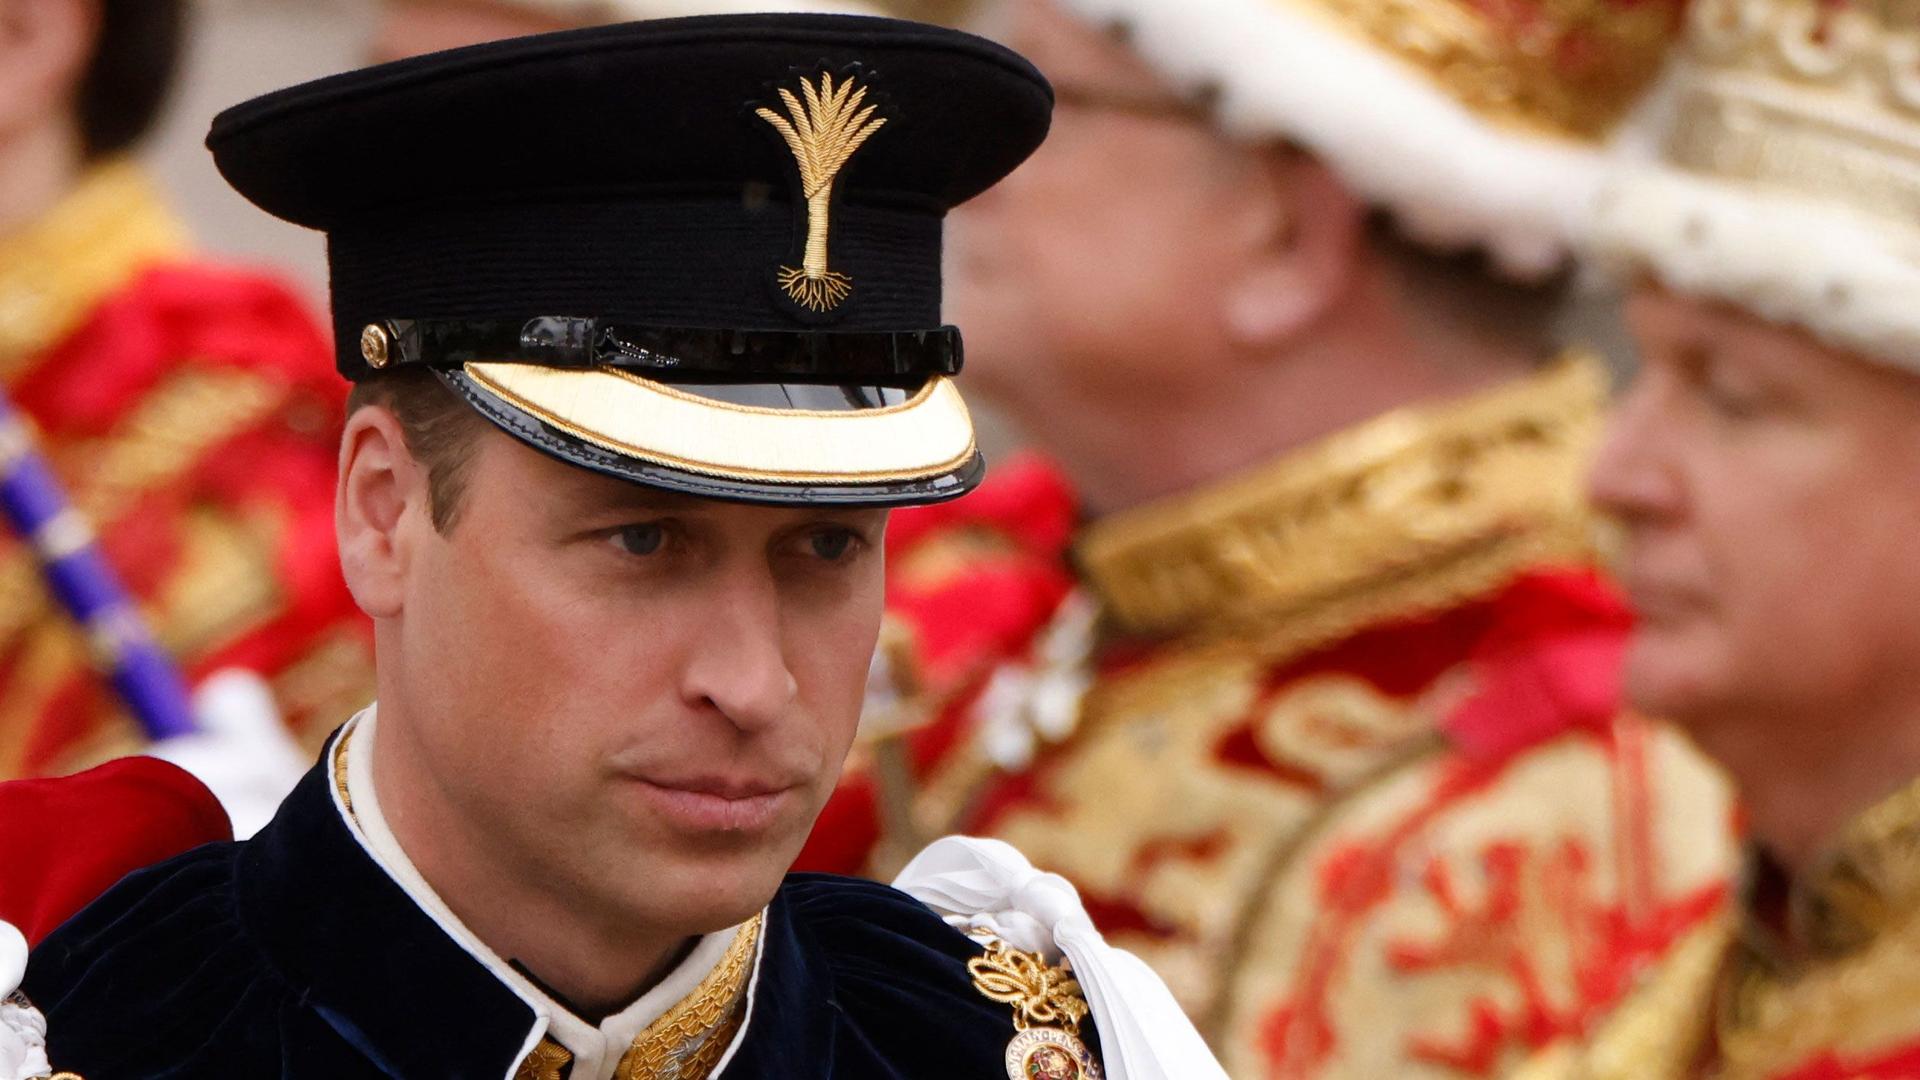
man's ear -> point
(380, 505)
(45, 47)
(1302, 232)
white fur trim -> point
(1851, 280)
(1453, 179)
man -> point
(969, 583)
(633, 398)
(1762, 464)
(1330, 733)
(187, 406)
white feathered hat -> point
(1787, 177)
(1476, 125)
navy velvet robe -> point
(295, 955)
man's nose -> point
(738, 664)
(1630, 478)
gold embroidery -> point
(548, 1061)
(1047, 1010)
(340, 771)
(822, 135)
(1413, 511)
(1041, 995)
(1858, 912)
(1574, 69)
(91, 244)
(1658, 1031)
(1804, 98)
(688, 1040)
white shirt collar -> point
(596, 1050)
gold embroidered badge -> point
(823, 132)
(1047, 1010)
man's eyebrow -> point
(604, 494)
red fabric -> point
(1544, 655)
(988, 609)
(65, 841)
(1549, 663)
(1900, 1064)
(276, 475)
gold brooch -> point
(1047, 1010)
(822, 133)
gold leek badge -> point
(1047, 1010)
(823, 132)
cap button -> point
(375, 345)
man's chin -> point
(1665, 677)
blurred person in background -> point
(412, 27)
(1330, 729)
(1763, 463)
(190, 408)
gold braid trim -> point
(89, 245)
(548, 1061)
(687, 1042)
(1414, 511)
(1571, 69)
(1858, 913)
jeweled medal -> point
(1047, 1010)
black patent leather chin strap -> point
(674, 354)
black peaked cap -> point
(630, 177)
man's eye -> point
(832, 545)
(641, 539)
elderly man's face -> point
(640, 700)
(412, 27)
(1770, 489)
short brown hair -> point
(439, 428)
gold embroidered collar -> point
(1855, 916)
(92, 243)
(1415, 510)
(687, 1042)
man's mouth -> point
(734, 804)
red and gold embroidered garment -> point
(193, 412)
(1337, 747)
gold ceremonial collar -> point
(1851, 986)
(1412, 511)
(92, 243)
(1866, 885)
